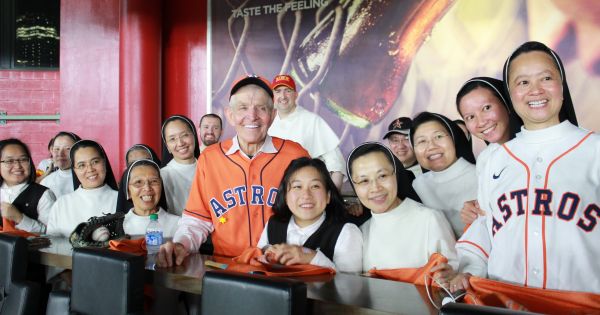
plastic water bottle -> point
(154, 235)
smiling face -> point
(145, 189)
(60, 152)
(180, 141)
(210, 130)
(485, 115)
(375, 182)
(19, 171)
(400, 146)
(434, 147)
(536, 89)
(307, 196)
(89, 167)
(251, 113)
(285, 99)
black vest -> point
(324, 238)
(28, 199)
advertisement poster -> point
(361, 64)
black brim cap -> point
(251, 79)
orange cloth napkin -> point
(9, 227)
(411, 275)
(136, 247)
(248, 262)
(500, 294)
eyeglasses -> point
(152, 182)
(174, 139)
(422, 142)
(93, 163)
(380, 178)
(13, 162)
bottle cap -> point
(154, 217)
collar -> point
(13, 191)
(546, 135)
(307, 230)
(267, 147)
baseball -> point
(100, 234)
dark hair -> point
(13, 141)
(334, 209)
(461, 144)
(496, 87)
(144, 147)
(50, 144)
(213, 116)
(110, 177)
(404, 177)
(166, 155)
(69, 134)
(567, 111)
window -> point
(29, 34)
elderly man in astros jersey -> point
(236, 181)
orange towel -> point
(9, 227)
(515, 297)
(411, 275)
(248, 262)
(136, 247)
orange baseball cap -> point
(285, 80)
(251, 79)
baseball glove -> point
(82, 235)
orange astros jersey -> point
(236, 194)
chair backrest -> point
(17, 295)
(107, 282)
(13, 259)
(227, 293)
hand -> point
(355, 209)
(470, 211)
(443, 273)
(460, 282)
(287, 254)
(169, 250)
(10, 212)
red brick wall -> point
(30, 93)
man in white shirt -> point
(312, 132)
(210, 127)
(399, 143)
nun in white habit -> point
(144, 188)
(95, 190)
(442, 148)
(181, 141)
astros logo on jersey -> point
(568, 204)
(236, 196)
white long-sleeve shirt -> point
(136, 225)
(60, 182)
(9, 194)
(177, 181)
(406, 236)
(77, 207)
(347, 253)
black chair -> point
(17, 296)
(104, 282)
(468, 309)
(227, 293)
